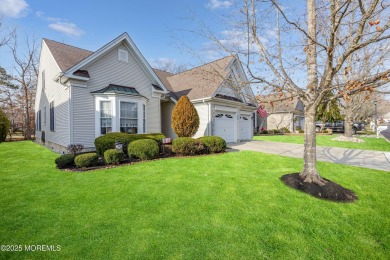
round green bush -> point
(144, 149)
(65, 160)
(187, 146)
(213, 144)
(113, 156)
(86, 160)
(107, 141)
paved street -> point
(361, 158)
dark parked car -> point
(338, 126)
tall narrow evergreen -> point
(4, 126)
(185, 118)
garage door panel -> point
(245, 127)
(224, 126)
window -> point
(105, 117)
(123, 55)
(43, 81)
(52, 116)
(144, 119)
(44, 115)
(38, 121)
(128, 117)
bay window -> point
(105, 117)
(128, 117)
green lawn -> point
(227, 206)
(370, 143)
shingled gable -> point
(65, 55)
(279, 104)
(199, 82)
(71, 59)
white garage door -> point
(224, 126)
(245, 127)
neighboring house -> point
(82, 95)
(283, 111)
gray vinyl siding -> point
(166, 119)
(53, 92)
(109, 70)
(83, 117)
(204, 123)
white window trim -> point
(115, 106)
(100, 115)
(120, 114)
(123, 52)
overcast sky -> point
(156, 27)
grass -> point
(224, 206)
(375, 144)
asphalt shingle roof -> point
(199, 82)
(65, 55)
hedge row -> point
(107, 141)
(191, 146)
(144, 147)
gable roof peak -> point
(66, 55)
(209, 64)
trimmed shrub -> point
(65, 160)
(265, 132)
(185, 118)
(285, 130)
(4, 126)
(107, 141)
(144, 149)
(113, 156)
(86, 160)
(187, 146)
(213, 144)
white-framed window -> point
(52, 125)
(44, 115)
(105, 117)
(123, 55)
(128, 117)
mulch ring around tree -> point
(330, 191)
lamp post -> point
(376, 119)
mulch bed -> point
(330, 191)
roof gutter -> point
(64, 77)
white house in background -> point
(83, 94)
(283, 112)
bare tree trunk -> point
(348, 121)
(309, 172)
(27, 133)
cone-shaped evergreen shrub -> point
(4, 126)
(185, 118)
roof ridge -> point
(196, 67)
(165, 71)
(46, 39)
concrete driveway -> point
(361, 158)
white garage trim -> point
(226, 109)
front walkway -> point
(361, 158)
